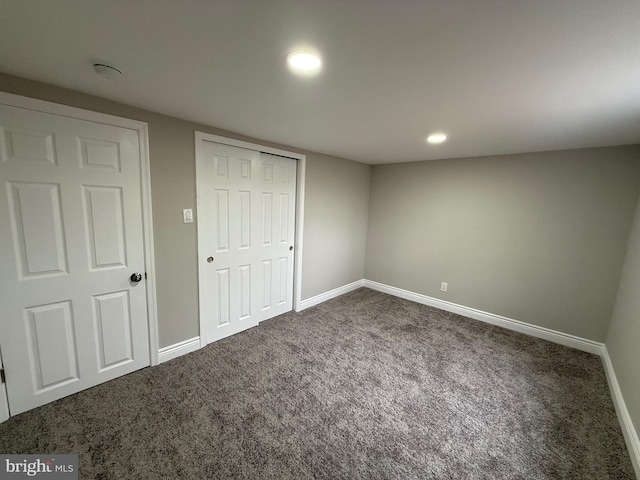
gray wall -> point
(539, 238)
(623, 341)
(337, 203)
(172, 153)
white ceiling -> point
(498, 76)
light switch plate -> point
(187, 215)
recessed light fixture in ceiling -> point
(107, 71)
(436, 138)
(304, 62)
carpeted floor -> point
(366, 386)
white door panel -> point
(245, 259)
(227, 219)
(278, 185)
(71, 236)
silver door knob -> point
(210, 259)
(291, 248)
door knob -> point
(291, 248)
(135, 277)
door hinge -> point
(3, 379)
(145, 275)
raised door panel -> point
(245, 302)
(100, 154)
(221, 212)
(222, 297)
(284, 212)
(104, 212)
(112, 314)
(267, 219)
(38, 231)
(51, 345)
(221, 166)
(27, 145)
(282, 293)
(266, 283)
(245, 219)
(267, 172)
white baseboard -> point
(579, 343)
(178, 349)
(323, 297)
(628, 430)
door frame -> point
(299, 220)
(28, 103)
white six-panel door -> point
(227, 217)
(277, 223)
(70, 237)
(246, 223)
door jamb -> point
(12, 100)
(299, 227)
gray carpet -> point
(364, 386)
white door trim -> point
(300, 184)
(43, 106)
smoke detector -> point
(107, 71)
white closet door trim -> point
(300, 184)
(145, 180)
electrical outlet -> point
(443, 286)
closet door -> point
(246, 217)
(277, 222)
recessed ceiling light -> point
(304, 62)
(436, 138)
